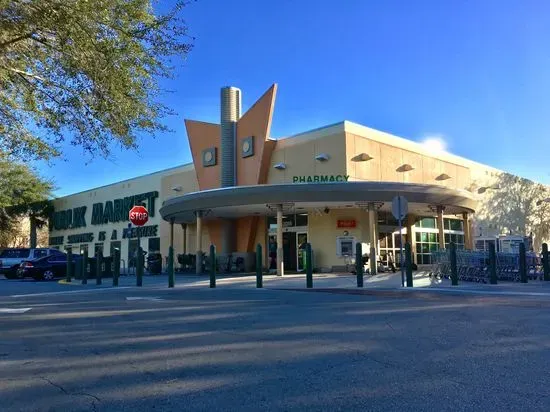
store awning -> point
(233, 202)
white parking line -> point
(72, 292)
(151, 298)
(477, 291)
(14, 310)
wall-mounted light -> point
(322, 157)
(280, 166)
(326, 210)
(443, 176)
(361, 157)
(177, 188)
(404, 168)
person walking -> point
(391, 263)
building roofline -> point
(185, 166)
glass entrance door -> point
(301, 240)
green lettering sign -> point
(55, 241)
(320, 179)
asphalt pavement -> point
(88, 348)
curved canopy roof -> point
(232, 202)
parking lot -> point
(72, 348)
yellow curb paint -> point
(64, 282)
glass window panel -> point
(460, 239)
(424, 248)
(288, 221)
(417, 236)
(447, 238)
(301, 219)
(424, 237)
(154, 244)
(434, 247)
(383, 240)
(432, 237)
(428, 222)
(447, 224)
(397, 241)
(456, 225)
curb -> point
(64, 282)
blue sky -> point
(476, 74)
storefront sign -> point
(55, 241)
(110, 211)
(320, 179)
(346, 223)
(81, 238)
(143, 231)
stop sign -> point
(138, 215)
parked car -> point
(10, 259)
(45, 268)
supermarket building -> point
(331, 186)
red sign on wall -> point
(346, 223)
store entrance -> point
(293, 250)
(289, 251)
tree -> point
(85, 69)
(517, 207)
(23, 194)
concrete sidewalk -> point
(383, 281)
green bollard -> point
(522, 263)
(85, 266)
(309, 268)
(139, 267)
(359, 264)
(69, 272)
(116, 267)
(408, 265)
(454, 269)
(98, 264)
(171, 274)
(545, 263)
(259, 273)
(212, 266)
(493, 280)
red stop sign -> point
(138, 215)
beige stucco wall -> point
(323, 231)
(387, 159)
(299, 157)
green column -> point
(454, 269)
(171, 274)
(359, 264)
(545, 263)
(116, 267)
(139, 267)
(408, 265)
(309, 268)
(492, 265)
(259, 273)
(98, 265)
(522, 263)
(212, 266)
(69, 274)
(85, 264)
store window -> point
(83, 249)
(154, 244)
(458, 239)
(453, 224)
(427, 222)
(288, 221)
(98, 247)
(114, 245)
(426, 243)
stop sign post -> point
(139, 216)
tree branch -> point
(15, 40)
